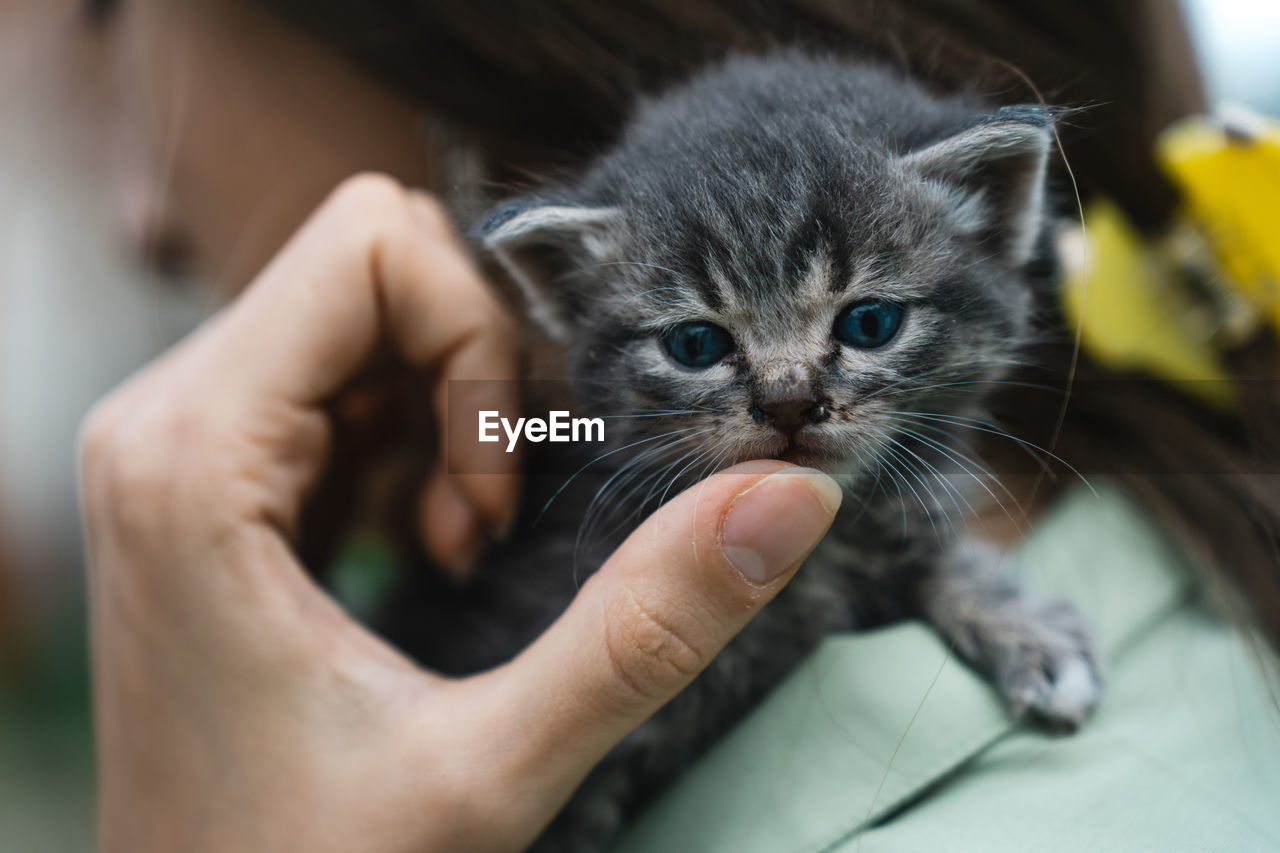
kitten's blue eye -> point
(868, 324)
(698, 344)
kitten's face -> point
(811, 317)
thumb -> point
(657, 612)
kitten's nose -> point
(790, 416)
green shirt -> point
(882, 741)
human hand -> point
(237, 707)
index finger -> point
(376, 263)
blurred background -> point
(80, 309)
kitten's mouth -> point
(807, 457)
(806, 453)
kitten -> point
(796, 258)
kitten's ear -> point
(540, 244)
(998, 171)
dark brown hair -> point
(542, 80)
(544, 83)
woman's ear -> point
(997, 171)
(542, 245)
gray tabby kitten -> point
(794, 258)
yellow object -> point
(1229, 172)
(1133, 311)
(1168, 307)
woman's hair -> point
(540, 81)
(538, 84)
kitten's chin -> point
(807, 453)
(827, 461)
(808, 457)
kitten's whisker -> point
(1023, 445)
(979, 480)
(1001, 361)
(908, 467)
(700, 476)
(713, 467)
(947, 487)
(680, 473)
(943, 481)
(715, 444)
(628, 499)
(591, 517)
(674, 445)
(1009, 361)
(636, 512)
(633, 467)
(952, 453)
(654, 414)
(650, 480)
(594, 516)
(960, 383)
(946, 436)
(903, 381)
(961, 456)
(659, 481)
(894, 478)
(605, 455)
(637, 467)
(960, 421)
(629, 469)
(875, 487)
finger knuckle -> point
(97, 436)
(369, 192)
(649, 653)
(431, 212)
(129, 463)
(380, 213)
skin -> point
(227, 128)
(236, 706)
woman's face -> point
(226, 127)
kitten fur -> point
(766, 196)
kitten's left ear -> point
(541, 244)
(998, 169)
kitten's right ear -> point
(540, 244)
(997, 168)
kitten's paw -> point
(1038, 652)
(1045, 662)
